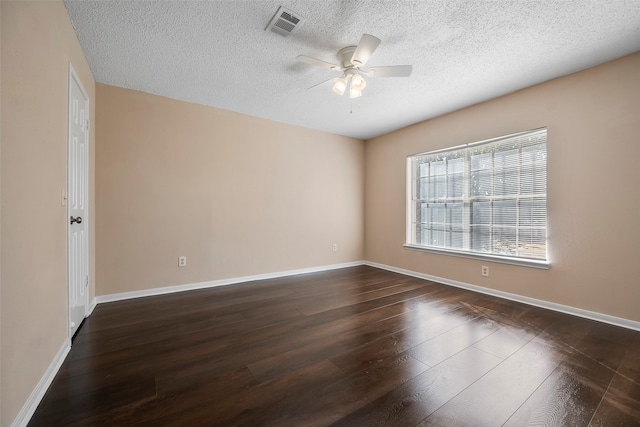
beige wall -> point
(593, 121)
(236, 194)
(38, 42)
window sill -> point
(484, 257)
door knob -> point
(78, 220)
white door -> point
(77, 190)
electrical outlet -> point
(335, 247)
(182, 261)
(485, 270)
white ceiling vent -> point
(284, 22)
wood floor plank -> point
(333, 402)
(496, 396)
(443, 346)
(124, 337)
(419, 397)
(335, 339)
(252, 349)
(215, 404)
(273, 358)
(568, 397)
(384, 337)
(502, 343)
(620, 405)
(353, 346)
(630, 365)
(567, 331)
(76, 401)
(204, 345)
(244, 407)
(606, 344)
(315, 307)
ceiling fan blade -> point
(390, 71)
(364, 50)
(321, 83)
(318, 62)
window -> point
(482, 200)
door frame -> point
(73, 77)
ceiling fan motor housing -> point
(344, 55)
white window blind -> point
(487, 198)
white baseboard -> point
(600, 317)
(222, 282)
(92, 306)
(38, 392)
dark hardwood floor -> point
(352, 347)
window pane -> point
(438, 168)
(506, 159)
(457, 240)
(481, 238)
(421, 213)
(437, 215)
(481, 183)
(481, 161)
(423, 170)
(422, 234)
(533, 212)
(506, 182)
(540, 182)
(487, 197)
(533, 243)
(423, 188)
(456, 186)
(438, 187)
(455, 213)
(438, 238)
(481, 213)
(456, 165)
(533, 181)
(505, 212)
(534, 154)
(504, 241)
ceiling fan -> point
(351, 59)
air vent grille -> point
(284, 22)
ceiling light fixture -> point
(354, 80)
(351, 59)
(358, 82)
(354, 93)
(341, 85)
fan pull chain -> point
(351, 106)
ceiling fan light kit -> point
(352, 79)
(340, 86)
(358, 82)
(351, 59)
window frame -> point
(468, 199)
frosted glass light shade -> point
(340, 86)
(358, 82)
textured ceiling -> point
(218, 53)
